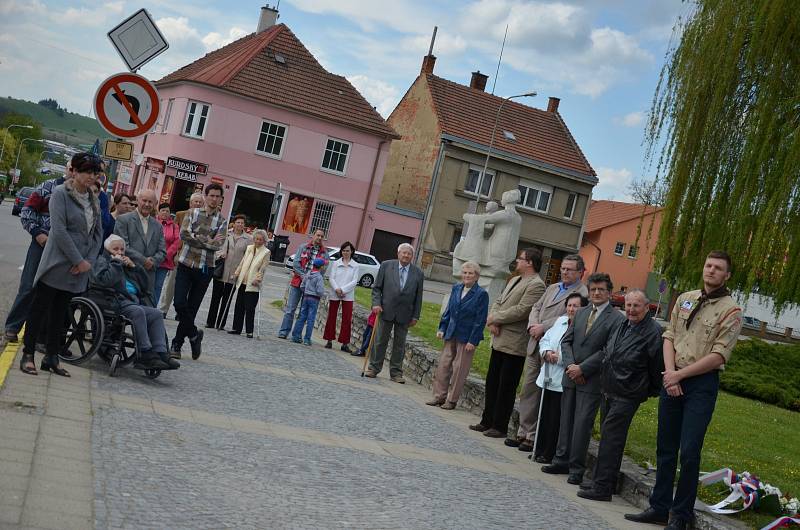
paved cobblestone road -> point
(269, 434)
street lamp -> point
(2, 150)
(20, 151)
(473, 205)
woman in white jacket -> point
(343, 279)
(552, 373)
(249, 275)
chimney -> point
(552, 104)
(428, 63)
(269, 16)
(478, 81)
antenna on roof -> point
(433, 39)
(500, 60)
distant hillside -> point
(71, 128)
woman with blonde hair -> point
(249, 275)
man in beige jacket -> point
(507, 323)
(544, 313)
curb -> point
(7, 357)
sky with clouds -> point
(601, 57)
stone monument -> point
(490, 240)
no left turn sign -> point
(126, 105)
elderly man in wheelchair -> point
(116, 273)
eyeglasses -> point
(597, 289)
(564, 269)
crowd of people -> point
(573, 353)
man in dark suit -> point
(582, 351)
(143, 235)
(397, 298)
(631, 373)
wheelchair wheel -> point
(152, 373)
(84, 332)
(128, 348)
(112, 369)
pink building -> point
(294, 146)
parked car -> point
(19, 200)
(368, 265)
(751, 323)
(618, 300)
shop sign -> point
(154, 164)
(186, 175)
(187, 165)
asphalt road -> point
(14, 243)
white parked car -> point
(368, 265)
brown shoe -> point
(435, 402)
(370, 373)
(494, 433)
(448, 406)
(398, 379)
(478, 427)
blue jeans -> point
(295, 293)
(308, 314)
(161, 275)
(22, 303)
(682, 424)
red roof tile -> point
(470, 113)
(606, 213)
(248, 67)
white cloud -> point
(114, 7)
(382, 95)
(613, 183)
(214, 40)
(632, 119)
(370, 15)
(177, 29)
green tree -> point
(725, 129)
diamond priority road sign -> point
(138, 40)
(126, 105)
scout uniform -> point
(701, 325)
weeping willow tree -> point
(725, 131)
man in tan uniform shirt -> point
(701, 334)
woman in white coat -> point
(553, 371)
(249, 275)
(343, 279)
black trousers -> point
(190, 288)
(502, 379)
(47, 314)
(245, 309)
(547, 430)
(617, 415)
(219, 308)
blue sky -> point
(601, 57)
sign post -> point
(662, 288)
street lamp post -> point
(3, 149)
(20, 151)
(473, 205)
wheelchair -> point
(96, 326)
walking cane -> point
(546, 381)
(369, 346)
(224, 316)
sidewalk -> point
(262, 434)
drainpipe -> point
(429, 206)
(369, 192)
(135, 177)
(599, 253)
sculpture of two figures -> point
(490, 240)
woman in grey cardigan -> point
(74, 241)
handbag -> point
(219, 264)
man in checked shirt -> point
(203, 232)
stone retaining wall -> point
(634, 483)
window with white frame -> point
(270, 140)
(322, 218)
(570, 208)
(335, 158)
(167, 114)
(473, 176)
(535, 196)
(633, 251)
(196, 119)
(619, 249)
